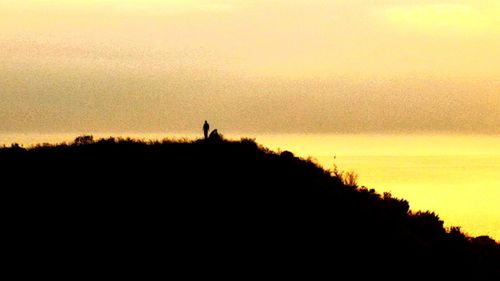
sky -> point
(275, 66)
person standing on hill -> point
(206, 127)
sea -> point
(455, 176)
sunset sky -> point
(274, 66)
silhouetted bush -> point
(82, 140)
(348, 178)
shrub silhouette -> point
(348, 178)
(221, 206)
(85, 139)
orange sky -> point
(250, 66)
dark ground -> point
(215, 209)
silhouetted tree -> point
(85, 139)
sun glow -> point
(454, 18)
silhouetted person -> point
(214, 135)
(206, 127)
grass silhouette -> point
(221, 208)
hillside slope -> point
(220, 208)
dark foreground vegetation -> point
(216, 209)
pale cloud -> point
(172, 7)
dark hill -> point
(217, 209)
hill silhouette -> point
(218, 208)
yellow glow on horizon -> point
(454, 176)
